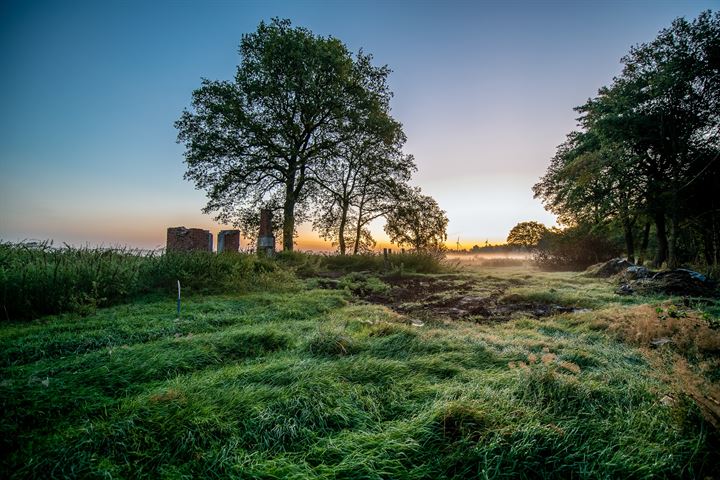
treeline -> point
(644, 163)
(305, 129)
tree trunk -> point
(288, 220)
(358, 229)
(672, 240)
(644, 243)
(341, 229)
(629, 241)
(708, 245)
(662, 239)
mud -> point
(457, 297)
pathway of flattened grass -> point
(310, 385)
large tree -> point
(664, 109)
(268, 132)
(418, 222)
(595, 183)
(526, 234)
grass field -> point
(321, 383)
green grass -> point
(307, 265)
(37, 280)
(311, 384)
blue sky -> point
(485, 90)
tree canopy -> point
(526, 234)
(418, 222)
(648, 146)
(274, 134)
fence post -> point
(178, 301)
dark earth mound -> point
(456, 297)
(609, 268)
(680, 281)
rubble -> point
(609, 268)
(679, 281)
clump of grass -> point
(331, 344)
(457, 421)
(690, 334)
(386, 329)
(362, 284)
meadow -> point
(329, 367)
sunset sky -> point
(485, 91)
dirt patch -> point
(456, 297)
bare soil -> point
(457, 297)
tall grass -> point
(307, 264)
(41, 279)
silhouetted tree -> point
(278, 123)
(648, 144)
(593, 182)
(526, 234)
(361, 182)
(417, 221)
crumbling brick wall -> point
(228, 241)
(181, 239)
(266, 239)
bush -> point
(41, 279)
(574, 249)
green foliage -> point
(309, 264)
(648, 148)
(38, 280)
(418, 222)
(299, 114)
(362, 284)
(574, 249)
(526, 234)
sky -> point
(485, 92)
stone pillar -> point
(181, 239)
(228, 241)
(266, 239)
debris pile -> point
(680, 281)
(608, 269)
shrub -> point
(574, 249)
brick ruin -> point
(228, 241)
(181, 239)
(266, 239)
